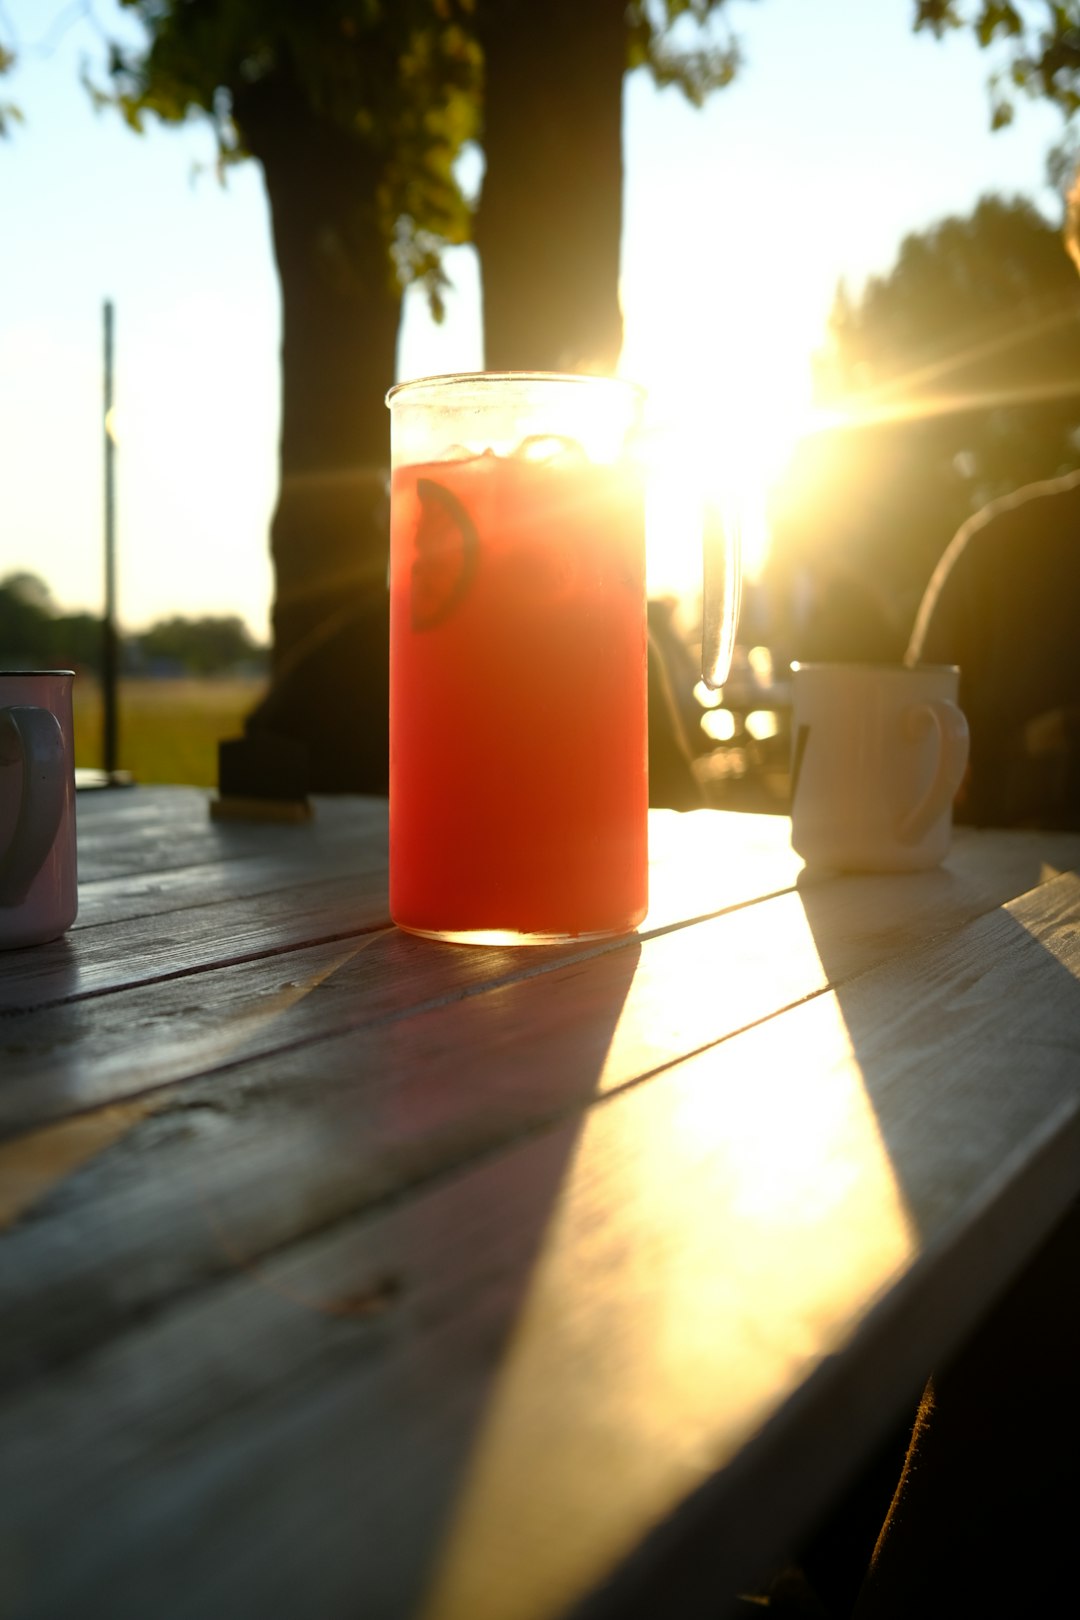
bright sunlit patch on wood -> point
(717, 1233)
(32, 1166)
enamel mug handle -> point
(33, 738)
(953, 742)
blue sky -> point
(843, 133)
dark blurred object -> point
(749, 723)
(673, 714)
(330, 679)
(262, 778)
(1004, 604)
(984, 1515)
(846, 622)
(332, 690)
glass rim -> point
(453, 379)
(23, 674)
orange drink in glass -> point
(518, 771)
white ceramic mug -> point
(878, 752)
(38, 879)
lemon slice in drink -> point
(447, 549)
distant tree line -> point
(35, 634)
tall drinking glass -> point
(518, 766)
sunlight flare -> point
(715, 1234)
(720, 433)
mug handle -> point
(953, 741)
(33, 738)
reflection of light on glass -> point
(746, 435)
(719, 724)
(673, 511)
(762, 724)
(112, 425)
(598, 415)
(591, 418)
(718, 1232)
(707, 697)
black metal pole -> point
(109, 660)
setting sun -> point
(722, 424)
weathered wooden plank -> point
(156, 935)
(62, 1058)
(278, 1146)
(478, 1401)
(261, 860)
(155, 893)
(85, 1053)
(157, 806)
(163, 829)
(139, 803)
(244, 1126)
(695, 872)
(112, 901)
(262, 1126)
(267, 1150)
(141, 950)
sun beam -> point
(722, 424)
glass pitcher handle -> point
(721, 592)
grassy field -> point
(168, 729)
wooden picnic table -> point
(345, 1273)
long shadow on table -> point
(368, 1396)
(976, 1018)
(973, 1027)
(452, 1290)
(968, 1055)
(880, 1117)
(338, 1468)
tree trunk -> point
(330, 534)
(549, 223)
(548, 232)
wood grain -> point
(153, 829)
(482, 1399)
(335, 1073)
(348, 1273)
(58, 1058)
